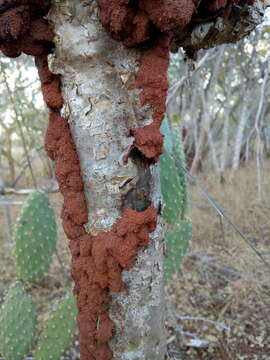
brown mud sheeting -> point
(150, 23)
(98, 261)
(23, 29)
(152, 79)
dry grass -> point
(222, 278)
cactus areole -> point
(149, 28)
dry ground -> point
(222, 279)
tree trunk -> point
(244, 114)
(102, 105)
(225, 133)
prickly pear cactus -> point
(180, 162)
(58, 331)
(35, 237)
(174, 191)
(17, 324)
(177, 243)
(172, 178)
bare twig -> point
(212, 322)
(20, 128)
(25, 166)
(20, 203)
(4, 202)
(180, 333)
(175, 88)
(7, 191)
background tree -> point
(22, 116)
(241, 76)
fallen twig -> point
(180, 333)
(212, 322)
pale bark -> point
(227, 109)
(258, 136)
(240, 132)
(225, 137)
(101, 106)
(213, 152)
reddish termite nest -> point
(23, 28)
(98, 261)
(137, 22)
(150, 24)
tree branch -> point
(220, 30)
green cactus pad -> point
(177, 242)
(180, 162)
(17, 324)
(172, 176)
(172, 189)
(58, 331)
(35, 237)
(168, 136)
